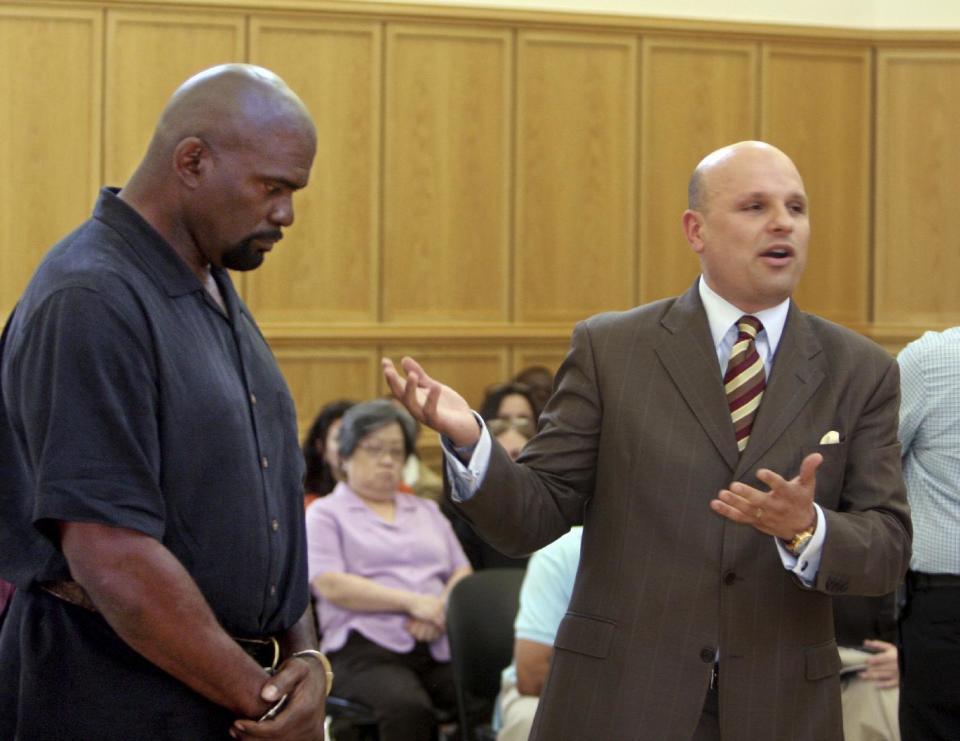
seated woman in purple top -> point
(381, 564)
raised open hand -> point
(785, 510)
(432, 403)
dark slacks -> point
(930, 664)
(401, 689)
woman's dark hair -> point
(362, 419)
(495, 394)
(320, 479)
(540, 380)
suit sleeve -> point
(522, 506)
(867, 546)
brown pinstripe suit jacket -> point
(635, 442)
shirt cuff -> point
(466, 479)
(807, 564)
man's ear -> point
(191, 160)
(693, 229)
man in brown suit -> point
(702, 608)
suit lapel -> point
(795, 377)
(686, 351)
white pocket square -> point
(831, 438)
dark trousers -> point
(930, 664)
(401, 689)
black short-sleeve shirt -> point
(132, 400)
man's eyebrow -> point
(285, 182)
(762, 194)
(752, 196)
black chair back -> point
(480, 613)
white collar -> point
(722, 315)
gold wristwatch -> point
(801, 539)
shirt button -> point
(273, 589)
(253, 398)
(274, 525)
(264, 462)
(707, 654)
(729, 578)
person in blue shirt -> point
(544, 597)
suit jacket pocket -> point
(586, 635)
(830, 475)
(822, 660)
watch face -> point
(799, 543)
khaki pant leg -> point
(869, 713)
(517, 712)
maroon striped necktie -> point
(744, 380)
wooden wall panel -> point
(576, 167)
(816, 108)
(446, 200)
(549, 355)
(50, 72)
(697, 96)
(326, 270)
(918, 187)
(318, 374)
(148, 55)
(486, 178)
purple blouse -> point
(417, 552)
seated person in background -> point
(544, 597)
(512, 435)
(320, 451)
(381, 564)
(539, 379)
(509, 401)
(866, 630)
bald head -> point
(228, 106)
(703, 181)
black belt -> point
(265, 651)
(919, 581)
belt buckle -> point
(263, 646)
(276, 655)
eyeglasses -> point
(397, 455)
(523, 425)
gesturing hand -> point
(785, 510)
(432, 403)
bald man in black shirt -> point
(151, 503)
